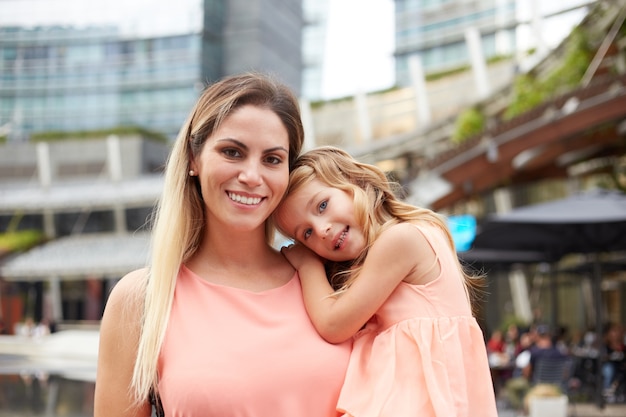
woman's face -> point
(322, 218)
(243, 168)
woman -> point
(216, 325)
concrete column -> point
(49, 228)
(307, 122)
(44, 172)
(44, 169)
(418, 80)
(537, 27)
(55, 298)
(363, 118)
(119, 215)
(519, 294)
(114, 164)
(502, 200)
(479, 67)
(114, 158)
(504, 40)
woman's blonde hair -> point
(376, 205)
(179, 218)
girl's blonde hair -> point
(180, 220)
(376, 204)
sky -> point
(360, 39)
(360, 45)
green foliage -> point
(469, 123)
(20, 240)
(577, 58)
(434, 76)
(529, 91)
(511, 319)
(52, 136)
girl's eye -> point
(307, 233)
(322, 206)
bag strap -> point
(155, 401)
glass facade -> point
(64, 79)
(435, 31)
(265, 35)
(314, 35)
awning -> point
(101, 255)
(81, 194)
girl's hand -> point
(299, 256)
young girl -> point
(396, 285)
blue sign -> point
(463, 230)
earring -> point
(192, 173)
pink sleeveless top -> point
(422, 353)
(231, 352)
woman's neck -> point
(230, 246)
(240, 259)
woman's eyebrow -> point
(277, 148)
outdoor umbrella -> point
(589, 223)
(592, 222)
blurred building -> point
(436, 32)
(69, 189)
(439, 32)
(58, 76)
(314, 35)
(93, 199)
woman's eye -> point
(307, 233)
(231, 153)
(323, 206)
(274, 160)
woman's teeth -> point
(244, 200)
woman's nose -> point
(250, 174)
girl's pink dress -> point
(423, 353)
(230, 352)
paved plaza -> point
(578, 410)
(71, 356)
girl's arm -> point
(119, 337)
(390, 259)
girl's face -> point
(322, 219)
(243, 168)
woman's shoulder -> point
(132, 281)
(128, 291)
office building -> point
(135, 64)
(435, 31)
(439, 32)
(314, 35)
(56, 75)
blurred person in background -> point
(512, 345)
(542, 349)
(537, 345)
(614, 368)
(496, 346)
